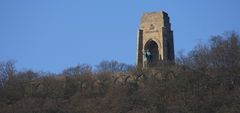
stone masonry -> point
(155, 35)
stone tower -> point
(155, 35)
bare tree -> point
(78, 70)
(113, 66)
(225, 51)
(7, 69)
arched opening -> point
(152, 47)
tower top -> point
(149, 14)
(160, 12)
(159, 19)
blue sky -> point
(51, 35)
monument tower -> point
(155, 40)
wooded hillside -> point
(207, 80)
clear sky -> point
(51, 35)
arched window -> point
(153, 48)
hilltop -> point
(207, 80)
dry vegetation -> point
(207, 80)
